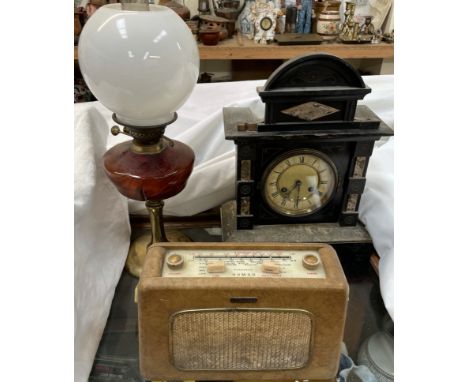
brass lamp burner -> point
(146, 139)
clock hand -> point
(298, 192)
(297, 184)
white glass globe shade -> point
(142, 65)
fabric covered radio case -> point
(230, 311)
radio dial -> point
(310, 261)
(175, 261)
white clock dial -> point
(299, 182)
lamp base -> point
(137, 251)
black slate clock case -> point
(322, 90)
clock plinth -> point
(331, 233)
(306, 160)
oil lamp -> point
(142, 63)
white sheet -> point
(376, 208)
(102, 235)
(101, 216)
(376, 212)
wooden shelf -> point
(233, 49)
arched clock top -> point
(313, 90)
(317, 70)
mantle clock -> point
(306, 161)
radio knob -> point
(215, 266)
(175, 261)
(269, 266)
(310, 261)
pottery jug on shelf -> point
(180, 9)
(209, 22)
(209, 35)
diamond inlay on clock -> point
(306, 162)
(310, 111)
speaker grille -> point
(241, 339)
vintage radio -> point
(230, 311)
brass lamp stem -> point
(155, 208)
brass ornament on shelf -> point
(350, 29)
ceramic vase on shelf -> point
(246, 26)
(322, 6)
(281, 24)
(291, 17)
(328, 25)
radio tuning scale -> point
(243, 263)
